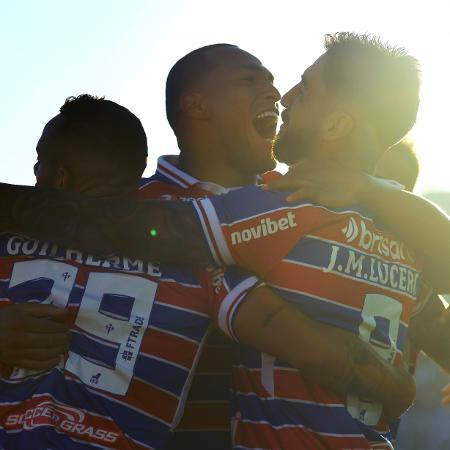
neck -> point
(356, 155)
(104, 188)
(206, 165)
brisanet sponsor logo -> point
(373, 242)
(264, 228)
(65, 417)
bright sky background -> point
(123, 49)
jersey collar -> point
(167, 167)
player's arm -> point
(421, 225)
(149, 230)
(429, 330)
(324, 354)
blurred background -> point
(124, 49)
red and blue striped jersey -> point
(338, 267)
(137, 333)
(205, 424)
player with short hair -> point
(338, 266)
(223, 147)
(137, 327)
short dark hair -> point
(187, 70)
(97, 129)
(384, 81)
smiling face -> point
(308, 104)
(241, 110)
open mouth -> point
(265, 124)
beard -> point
(290, 147)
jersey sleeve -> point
(227, 288)
(251, 227)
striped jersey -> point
(338, 267)
(205, 424)
(137, 332)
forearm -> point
(419, 223)
(149, 230)
(324, 354)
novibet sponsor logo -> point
(265, 227)
(357, 230)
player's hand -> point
(33, 336)
(446, 395)
(324, 182)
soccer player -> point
(137, 327)
(336, 265)
(199, 88)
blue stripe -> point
(161, 374)
(185, 323)
(251, 200)
(235, 275)
(318, 255)
(332, 419)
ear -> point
(337, 125)
(63, 179)
(193, 105)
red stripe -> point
(288, 384)
(149, 399)
(185, 297)
(7, 265)
(172, 348)
(166, 171)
